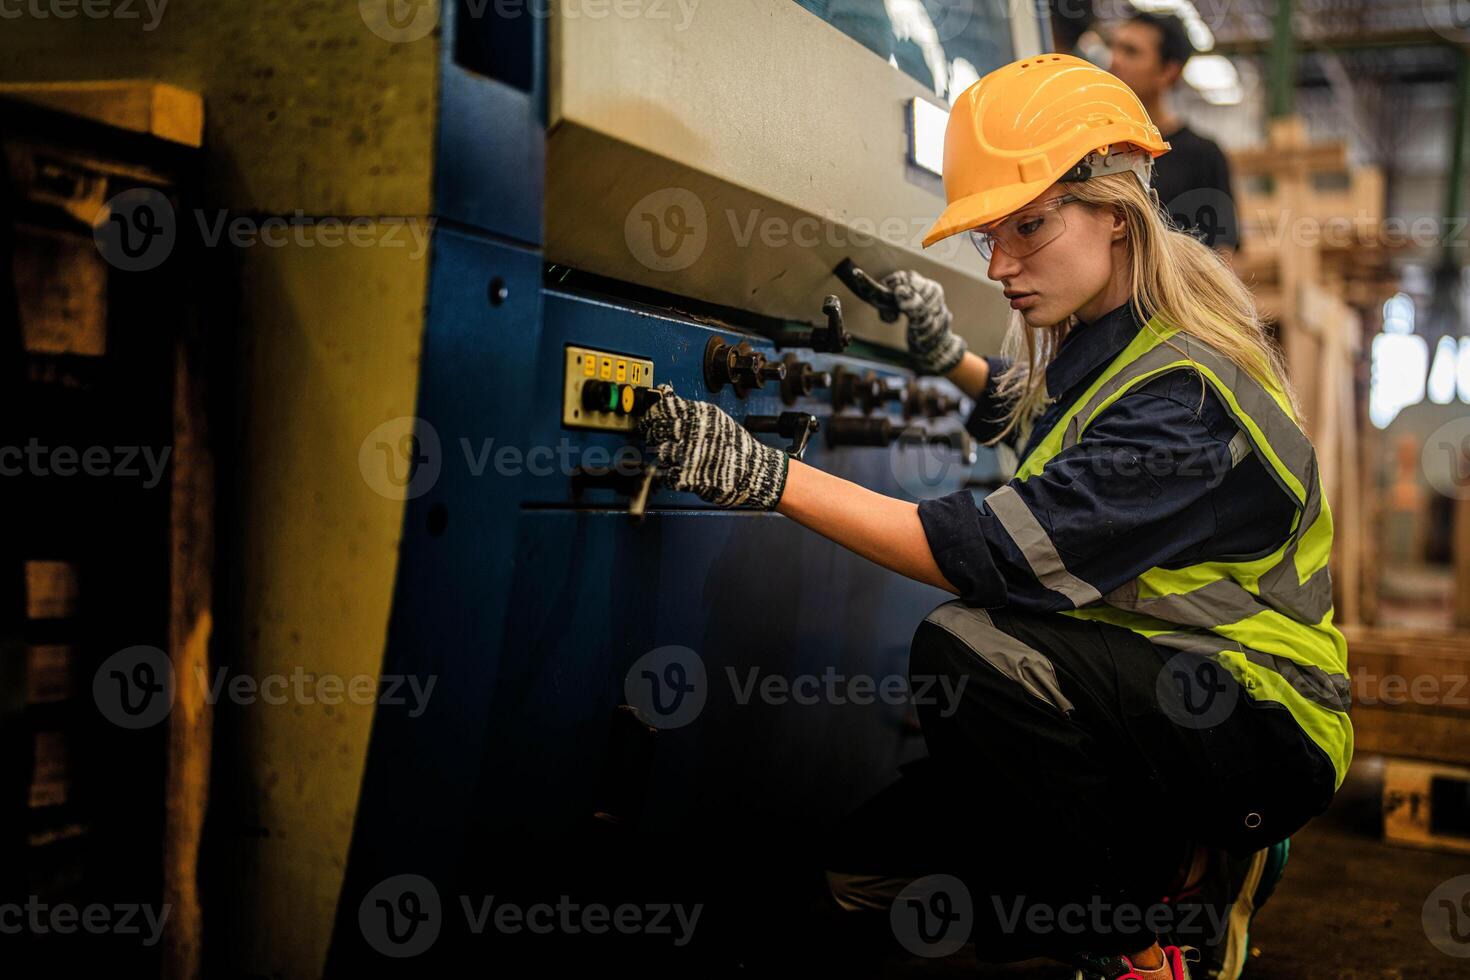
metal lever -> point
(831, 339)
(636, 485)
(799, 427)
(868, 289)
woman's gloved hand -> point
(936, 347)
(704, 451)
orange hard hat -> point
(1025, 126)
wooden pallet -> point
(1411, 693)
(1424, 805)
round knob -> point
(637, 401)
(599, 396)
(745, 369)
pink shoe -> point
(1121, 968)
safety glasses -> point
(1024, 232)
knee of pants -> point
(981, 662)
(865, 892)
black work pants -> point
(1069, 777)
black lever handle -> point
(831, 339)
(799, 427)
(634, 482)
(868, 289)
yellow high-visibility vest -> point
(1267, 621)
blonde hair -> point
(1175, 279)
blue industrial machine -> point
(639, 698)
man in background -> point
(1149, 52)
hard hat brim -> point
(981, 209)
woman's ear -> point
(1120, 223)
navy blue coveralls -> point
(1167, 493)
(1083, 789)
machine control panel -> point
(605, 390)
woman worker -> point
(1154, 694)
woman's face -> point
(1072, 273)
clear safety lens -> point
(1023, 233)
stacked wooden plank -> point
(1411, 703)
(1411, 693)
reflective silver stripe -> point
(1041, 553)
(1240, 447)
(1223, 601)
(1280, 587)
(1217, 603)
(1031, 669)
(873, 892)
(1332, 691)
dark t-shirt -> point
(1193, 181)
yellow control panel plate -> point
(586, 364)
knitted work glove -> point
(704, 451)
(937, 348)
